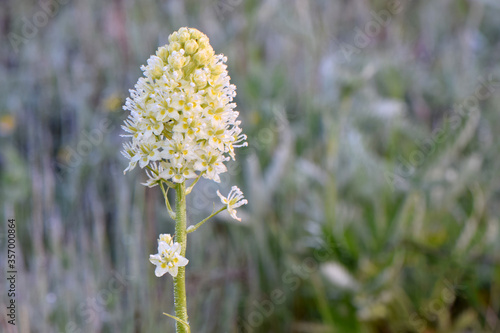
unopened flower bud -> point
(203, 56)
(162, 53)
(174, 46)
(184, 36)
(176, 60)
(190, 46)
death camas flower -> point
(168, 259)
(182, 122)
(234, 200)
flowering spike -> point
(182, 121)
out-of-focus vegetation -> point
(372, 170)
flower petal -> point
(155, 259)
(160, 271)
(173, 271)
(182, 261)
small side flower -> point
(233, 200)
(168, 259)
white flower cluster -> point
(168, 259)
(182, 121)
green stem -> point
(194, 227)
(167, 203)
(190, 188)
(180, 321)
(181, 238)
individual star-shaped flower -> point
(234, 200)
(168, 259)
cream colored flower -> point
(167, 238)
(182, 121)
(168, 258)
(234, 200)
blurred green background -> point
(371, 172)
